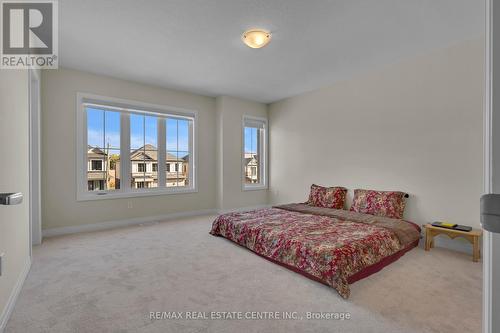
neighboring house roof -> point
(150, 152)
(251, 160)
(146, 152)
(95, 152)
(249, 155)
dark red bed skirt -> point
(381, 264)
(357, 276)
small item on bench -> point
(445, 225)
(453, 226)
(463, 228)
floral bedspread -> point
(328, 248)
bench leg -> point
(428, 240)
(476, 254)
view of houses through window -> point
(103, 150)
(253, 151)
(251, 155)
(177, 152)
(144, 151)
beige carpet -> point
(109, 281)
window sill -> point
(91, 196)
(254, 187)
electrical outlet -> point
(1, 261)
(129, 204)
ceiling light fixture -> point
(256, 38)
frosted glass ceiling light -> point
(256, 38)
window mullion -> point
(191, 158)
(176, 167)
(162, 153)
(104, 173)
(83, 175)
(262, 158)
(125, 166)
(144, 149)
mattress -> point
(334, 247)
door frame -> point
(35, 158)
(488, 168)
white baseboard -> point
(4, 318)
(243, 209)
(139, 220)
(122, 223)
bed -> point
(333, 246)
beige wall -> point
(59, 205)
(230, 112)
(14, 177)
(415, 126)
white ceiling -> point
(194, 45)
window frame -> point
(141, 165)
(92, 165)
(127, 107)
(263, 161)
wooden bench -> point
(472, 236)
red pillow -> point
(328, 197)
(379, 203)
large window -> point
(254, 153)
(129, 148)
